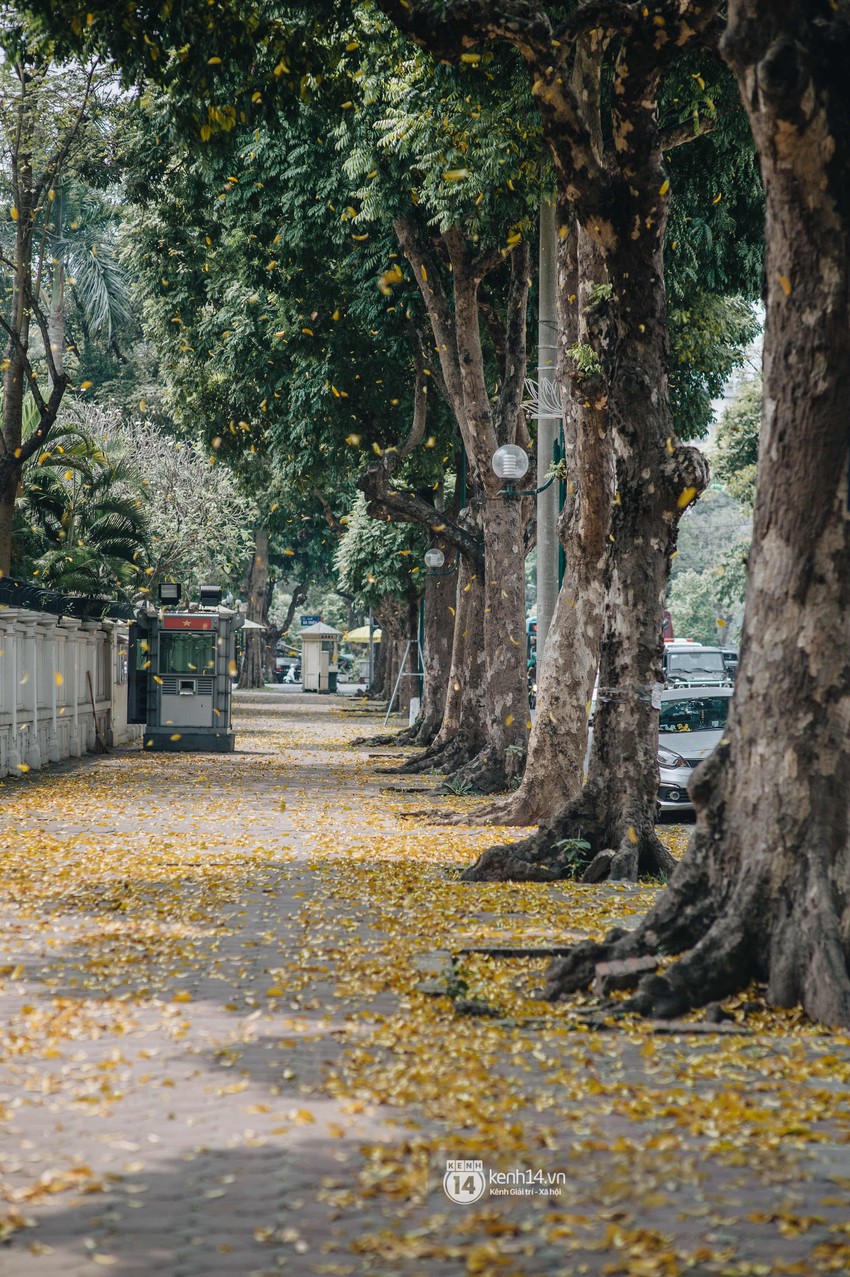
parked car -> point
(690, 726)
(689, 664)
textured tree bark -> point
(252, 672)
(565, 677)
(548, 428)
(655, 481)
(438, 603)
(764, 889)
(10, 477)
(462, 733)
(457, 337)
(620, 199)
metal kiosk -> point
(319, 658)
(181, 666)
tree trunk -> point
(9, 478)
(548, 427)
(764, 889)
(376, 681)
(656, 480)
(565, 675)
(393, 623)
(10, 467)
(457, 338)
(503, 522)
(463, 733)
(439, 604)
(251, 674)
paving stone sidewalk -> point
(190, 1073)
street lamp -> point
(510, 462)
(434, 560)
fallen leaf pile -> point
(165, 918)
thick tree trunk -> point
(252, 673)
(655, 481)
(483, 427)
(764, 890)
(503, 525)
(548, 427)
(566, 673)
(505, 686)
(394, 623)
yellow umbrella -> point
(361, 635)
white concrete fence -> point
(45, 703)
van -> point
(689, 664)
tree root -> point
(544, 849)
(518, 862)
(446, 758)
(586, 819)
(406, 737)
(683, 918)
(487, 773)
(504, 811)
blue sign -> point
(309, 620)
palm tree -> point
(82, 520)
(52, 128)
(80, 239)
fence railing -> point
(51, 668)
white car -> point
(690, 725)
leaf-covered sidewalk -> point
(215, 1059)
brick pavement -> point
(189, 1079)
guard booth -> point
(319, 658)
(181, 667)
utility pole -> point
(548, 425)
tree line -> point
(333, 211)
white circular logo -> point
(464, 1182)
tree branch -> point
(332, 521)
(465, 23)
(57, 159)
(45, 336)
(509, 403)
(680, 134)
(299, 597)
(25, 364)
(426, 271)
(384, 500)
